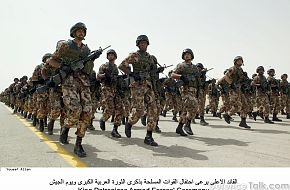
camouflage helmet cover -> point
(77, 26)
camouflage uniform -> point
(262, 90)
(224, 89)
(213, 96)
(234, 76)
(274, 94)
(189, 76)
(12, 98)
(141, 90)
(285, 94)
(40, 98)
(111, 96)
(173, 98)
(75, 86)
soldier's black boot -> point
(78, 149)
(250, 114)
(29, 116)
(143, 120)
(50, 126)
(193, 121)
(267, 120)
(164, 113)
(91, 126)
(261, 114)
(197, 116)
(21, 112)
(288, 116)
(227, 118)
(219, 115)
(15, 110)
(179, 130)
(206, 110)
(275, 118)
(115, 133)
(202, 121)
(157, 129)
(34, 120)
(45, 122)
(214, 114)
(12, 106)
(174, 118)
(283, 112)
(113, 119)
(243, 123)
(63, 135)
(149, 139)
(41, 125)
(25, 114)
(123, 121)
(128, 128)
(187, 128)
(102, 124)
(255, 114)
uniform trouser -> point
(55, 100)
(42, 102)
(141, 95)
(34, 104)
(226, 103)
(263, 103)
(11, 99)
(274, 103)
(213, 103)
(288, 104)
(26, 104)
(30, 104)
(238, 103)
(126, 106)
(189, 104)
(172, 101)
(283, 101)
(78, 105)
(201, 102)
(112, 105)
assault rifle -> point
(76, 65)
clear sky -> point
(216, 31)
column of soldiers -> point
(65, 86)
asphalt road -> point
(217, 145)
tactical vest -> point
(236, 77)
(191, 71)
(74, 53)
(111, 69)
(143, 64)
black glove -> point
(184, 79)
(160, 69)
(41, 81)
(50, 83)
(137, 78)
(66, 68)
(108, 77)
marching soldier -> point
(108, 73)
(202, 90)
(274, 94)
(75, 86)
(285, 94)
(188, 73)
(141, 88)
(262, 90)
(233, 77)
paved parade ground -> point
(217, 145)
